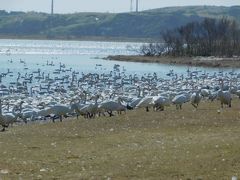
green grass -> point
(145, 24)
(186, 144)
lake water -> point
(82, 56)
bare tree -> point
(210, 37)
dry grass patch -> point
(187, 144)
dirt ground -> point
(196, 61)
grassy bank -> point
(186, 144)
(190, 61)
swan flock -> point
(36, 95)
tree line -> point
(209, 37)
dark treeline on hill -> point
(146, 24)
(210, 37)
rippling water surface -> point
(82, 56)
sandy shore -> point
(196, 61)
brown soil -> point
(196, 61)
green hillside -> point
(146, 24)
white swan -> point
(179, 100)
(225, 98)
(159, 102)
(146, 102)
(195, 99)
(110, 106)
(7, 119)
(59, 110)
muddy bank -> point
(190, 61)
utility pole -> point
(136, 5)
(51, 19)
(131, 6)
(52, 8)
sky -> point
(72, 6)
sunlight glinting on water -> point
(65, 47)
(81, 56)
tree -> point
(210, 37)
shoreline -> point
(86, 38)
(214, 62)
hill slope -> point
(146, 24)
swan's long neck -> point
(139, 91)
(85, 98)
(14, 113)
(119, 101)
(198, 92)
(0, 107)
(221, 84)
(96, 99)
(20, 106)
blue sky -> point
(71, 6)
